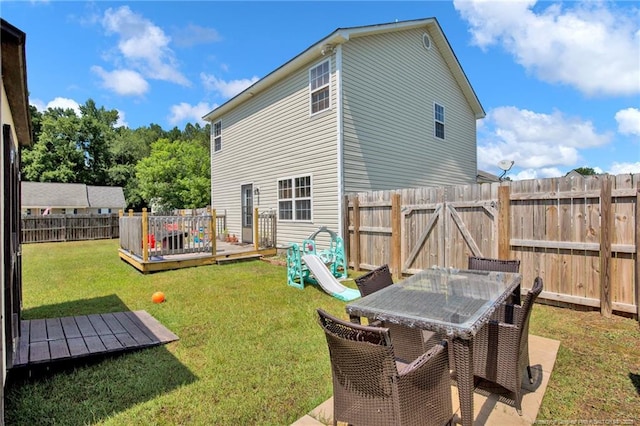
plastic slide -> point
(327, 281)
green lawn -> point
(250, 351)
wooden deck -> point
(225, 253)
(58, 339)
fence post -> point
(605, 246)
(396, 237)
(356, 233)
(256, 234)
(145, 237)
(504, 222)
(213, 231)
(345, 229)
(637, 277)
(130, 212)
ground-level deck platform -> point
(61, 339)
(225, 252)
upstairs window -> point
(294, 198)
(319, 82)
(217, 136)
(438, 117)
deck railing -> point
(266, 228)
(147, 236)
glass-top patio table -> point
(454, 302)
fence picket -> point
(555, 228)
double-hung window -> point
(217, 136)
(438, 118)
(319, 86)
(294, 198)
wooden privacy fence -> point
(580, 234)
(56, 227)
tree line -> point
(169, 169)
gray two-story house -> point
(366, 108)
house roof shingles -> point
(106, 196)
(70, 195)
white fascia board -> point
(315, 51)
(339, 36)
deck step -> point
(239, 258)
(52, 340)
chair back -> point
(527, 304)
(374, 280)
(362, 359)
(489, 264)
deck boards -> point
(57, 339)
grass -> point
(250, 351)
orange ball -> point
(157, 297)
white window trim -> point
(213, 134)
(293, 198)
(443, 122)
(311, 92)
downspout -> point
(340, 138)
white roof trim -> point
(340, 36)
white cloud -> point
(622, 168)
(534, 140)
(122, 82)
(184, 111)
(194, 34)
(546, 172)
(629, 121)
(122, 121)
(227, 89)
(590, 46)
(65, 103)
(38, 103)
(143, 45)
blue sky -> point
(560, 81)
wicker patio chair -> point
(489, 264)
(409, 343)
(498, 265)
(370, 389)
(501, 349)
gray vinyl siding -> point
(273, 136)
(390, 83)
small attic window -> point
(426, 41)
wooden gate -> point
(447, 233)
(417, 228)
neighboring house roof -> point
(14, 79)
(70, 195)
(342, 35)
(106, 196)
(484, 177)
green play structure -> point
(333, 257)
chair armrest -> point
(425, 359)
(375, 323)
(508, 313)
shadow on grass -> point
(635, 380)
(96, 305)
(92, 388)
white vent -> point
(426, 41)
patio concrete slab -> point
(492, 404)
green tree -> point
(176, 175)
(56, 155)
(36, 122)
(96, 136)
(585, 171)
(197, 133)
(71, 148)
